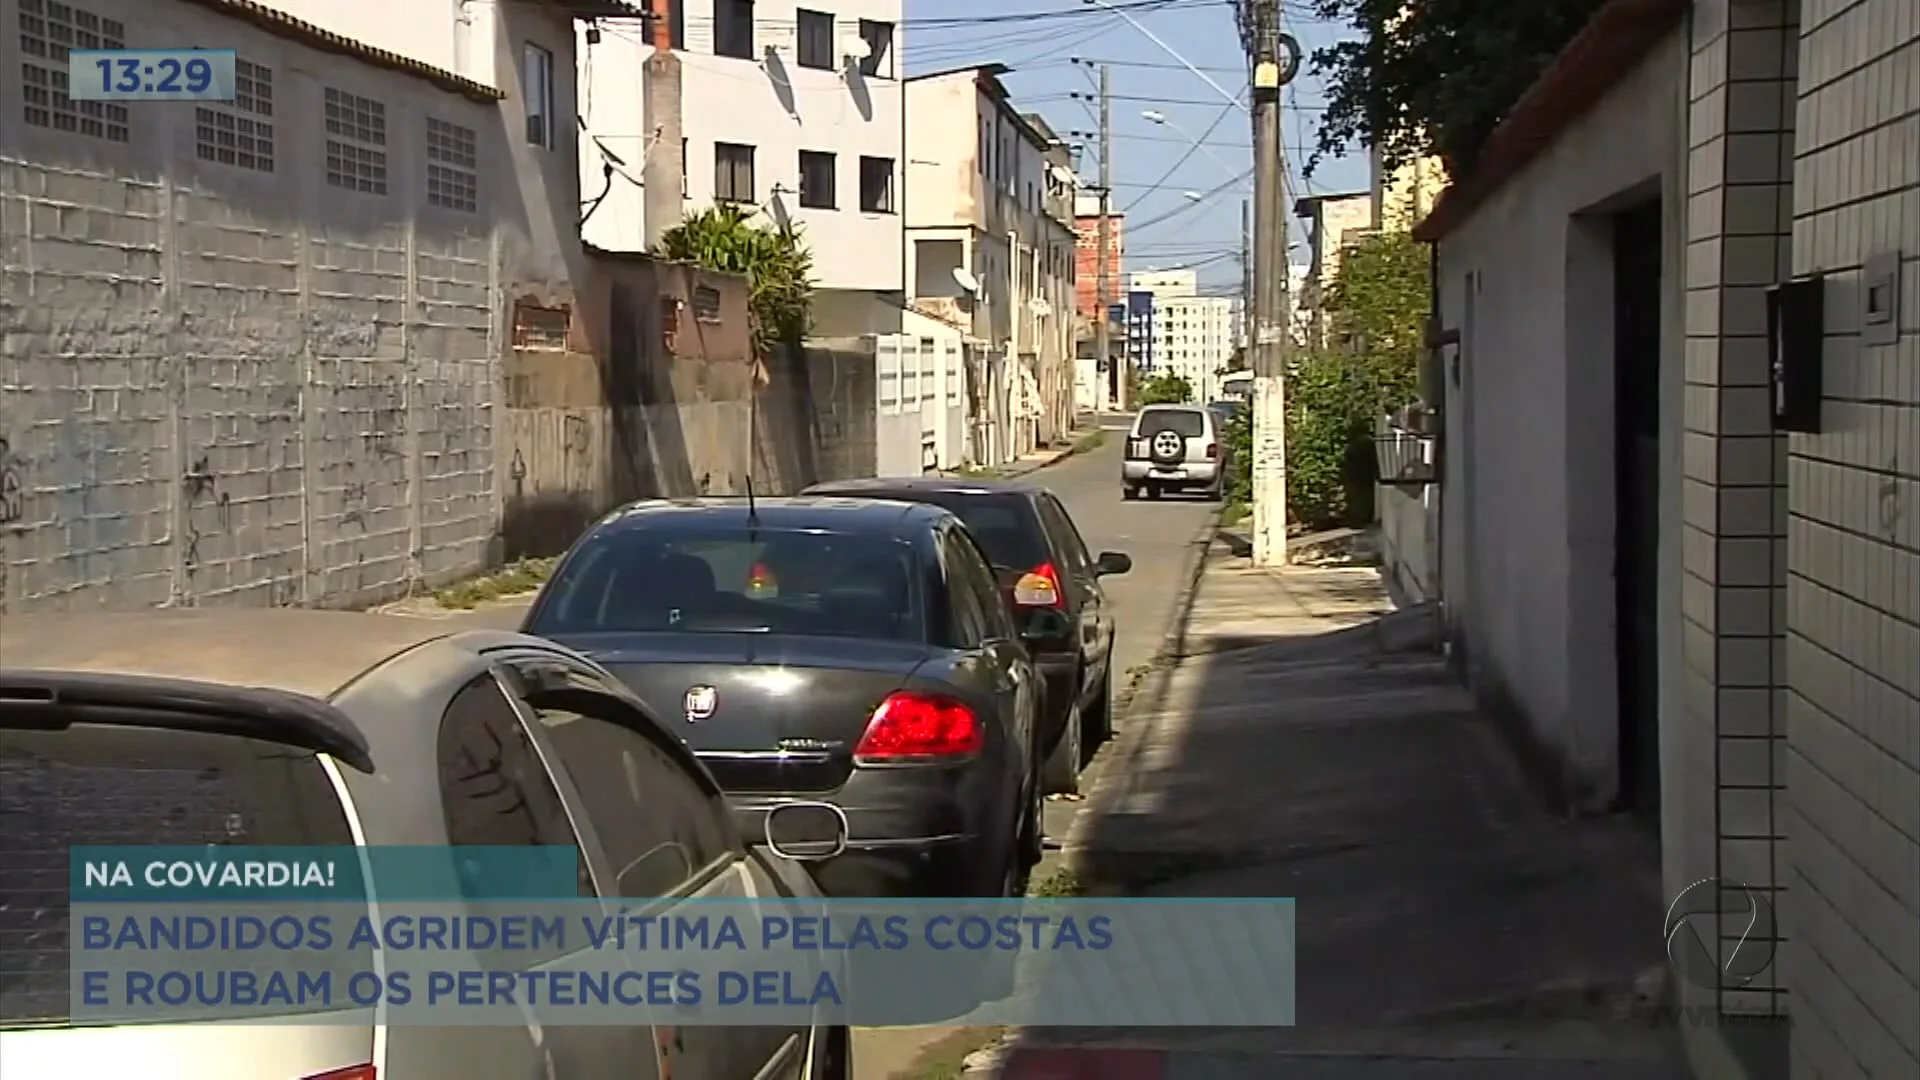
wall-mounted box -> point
(1796, 342)
(1880, 300)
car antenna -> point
(753, 508)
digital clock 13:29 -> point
(150, 74)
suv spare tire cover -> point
(1168, 446)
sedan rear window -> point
(736, 580)
(1005, 526)
(104, 785)
(1188, 422)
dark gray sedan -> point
(854, 651)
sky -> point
(1055, 48)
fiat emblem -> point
(701, 701)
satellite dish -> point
(965, 279)
(855, 48)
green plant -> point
(1238, 437)
(1376, 309)
(775, 260)
(1165, 388)
(1435, 77)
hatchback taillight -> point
(1039, 587)
(1213, 450)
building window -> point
(706, 304)
(732, 173)
(876, 185)
(815, 39)
(879, 38)
(816, 180)
(536, 87)
(733, 29)
(541, 328)
(48, 31)
(356, 142)
(453, 166)
(686, 189)
(240, 134)
(980, 152)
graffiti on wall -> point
(209, 509)
(12, 491)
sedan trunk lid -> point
(766, 713)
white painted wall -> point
(485, 41)
(1168, 283)
(974, 171)
(921, 392)
(1529, 501)
(774, 105)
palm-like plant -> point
(775, 260)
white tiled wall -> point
(1731, 737)
(1852, 812)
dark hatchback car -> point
(1045, 571)
(848, 651)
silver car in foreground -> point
(310, 728)
(1175, 448)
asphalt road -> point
(1158, 534)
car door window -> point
(660, 827)
(1066, 536)
(977, 574)
(968, 620)
(494, 791)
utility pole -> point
(1275, 59)
(1103, 269)
(1246, 282)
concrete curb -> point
(1152, 686)
(1009, 472)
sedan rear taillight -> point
(912, 727)
(351, 1072)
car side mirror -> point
(806, 831)
(1045, 624)
(1112, 562)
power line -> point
(1055, 14)
(1190, 204)
(1184, 158)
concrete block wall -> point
(1852, 723)
(1730, 730)
(233, 381)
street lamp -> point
(1155, 116)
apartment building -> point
(1096, 379)
(1188, 335)
(989, 228)
(794, 111)
(1334, 222)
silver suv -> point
(1174, 448)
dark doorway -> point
(1636, 364)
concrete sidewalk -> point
(1307, 742)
